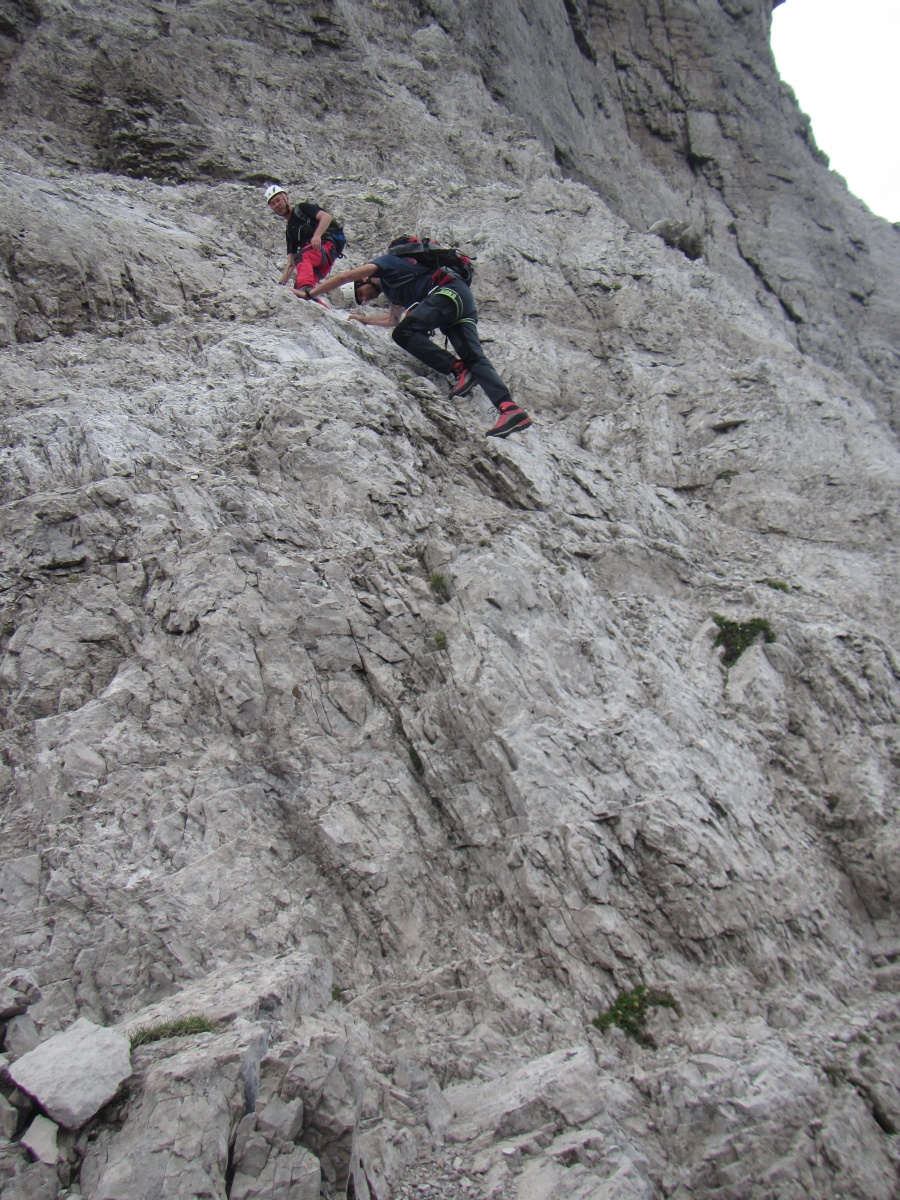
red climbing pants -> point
(313, 265)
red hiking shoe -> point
(511, 420)
(464, 381)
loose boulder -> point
(17, 991)
(21, 1036)
(75, 1073)
(40, 1139)
(680, 235)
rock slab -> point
(75, 1073)
(40, 1139)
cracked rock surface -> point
(395, 755)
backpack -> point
(335, 234)
(447, 263)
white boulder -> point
(75, 1073)
(40, 1139)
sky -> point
(843, 62)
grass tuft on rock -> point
(179, 1027)
(415, 760)
(737, 636)
(630, 1010)
(438, 585)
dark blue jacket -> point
(403, 283)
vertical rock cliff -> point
(353, 764)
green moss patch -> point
(736, 636)
(631, 1009)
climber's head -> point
(278, 200)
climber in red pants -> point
(314, 240)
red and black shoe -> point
(512, 419)
(465, 381)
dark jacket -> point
(403, 283)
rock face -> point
(396, 755)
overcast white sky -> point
(843, 61)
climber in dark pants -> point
(418, 307)
(451, 308)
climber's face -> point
(366, 291)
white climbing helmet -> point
(274, 189)
(345, 295)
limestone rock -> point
(285, 988)
(562, 1087)
(281, 1122)
(680, 234)
(40, 1139)
(18, 991)
(175, 1138)
(20, 1100)
(188, 1108)
(401, 842)
(21, 1036)
(328, 1079)
(37, 1181)
(292, 1174)
(73, 1074)
(9, 1119)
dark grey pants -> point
(451, 309)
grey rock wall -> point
(395, 753)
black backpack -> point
(446, 262)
